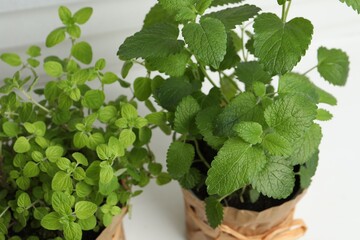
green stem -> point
(243, 43)
(283, 12)
(207, 75)
(33, 101)
(287, 11)
(201, 156)
(3, 212)
(310, 70)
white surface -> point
(331, 206)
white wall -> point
(332, 203)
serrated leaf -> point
(207, 40)
(142, 88)
(234, 167)
(53, 69)
(158, 14)
(333, 65)
(205, 121)
(172, 65)
(83, 15)
(280, 46)
(323, 115)
(249, 131)
(179, 159)
(185, 115)
(55, 37)
(307, 145)
(158, 40)
(82, 51)
(85, 209)
(51, 221)
(214, 211)
(22, 145)
(308, 170)
(231, 57)
(244, 107)
(190, 179)
(171, 91)
(72, 231)
(277, 145)
(175, 4)
(355, 4)
(223, 2)
(292, 83)
(228, 87)
(250, 72)
(291, 116)
(325, 97)
(232, 17)
(259, 89)
(276, 179)
(11, 58)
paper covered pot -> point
(115, 230)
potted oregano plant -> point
(69, 157)
(247, 148)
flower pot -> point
(115, 230)
(276, 223)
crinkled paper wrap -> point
(275, 223)
(115, 231)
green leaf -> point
(259, 89)
(308, 170)
(53, 69)
(250, 72)
(276, 179)
(179, 159)
(333, 65)
(155, 168)
(83, 15)
(185, 115)
(325, 97)
(231, 17)
(291, 116)
(107, 113)
(82, 51)
(24, 200)
(142, 88)
(171, 91)
(61, 203)
(175, 4)
(100, 64)
(109, 78)
(74, 31)
(158, 14)
(22, 145)
(163, 178)
(214, 211)
(62, 182)
(104, 152)
(126, 68)
(51, 221)
(11, 58)
(85, 209)
(159, 40)
(234, 167)
(55, 37)
(277, 145)
(323, 115)
(355, 4)
(3, 230)
(172, 65)
(202, 5)
(53, 153)
(207, 40)
(205, 123)
(72, 231)
(106, 173)
(83, 189)
(242, 108)
(228, 87)
(63, 163)
(23, 182)
(223, 2)
(65, 15)
(31, 169)
(191, 179)
(292, 83)
(231, 57)
(127, 137)
(249, 131)
(306, 146)
(129, 112)
(280, 46)
(80, 140)
(11, 129)
(93, 99)
(88, 224)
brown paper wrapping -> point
(275, 223)
(115, 231)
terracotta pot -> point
(115, 231)
(275, 223)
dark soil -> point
(234, 200)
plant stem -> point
(243, 43)
(3, 212)
(287, 10)
(242, 194)
(283, 12)
(33, 101)
(310, 70)
(201, 156)
(207, 75)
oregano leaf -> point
(214, 211)
(22, 145)
(51, 221)
(82, 51)
(11, 58)
(55, 37)
(278, 45)
(207, 40)
(83, 15)
(85, 209)
(72, 231)
(179, 158)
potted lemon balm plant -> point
(69, 158)
(245, 150)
